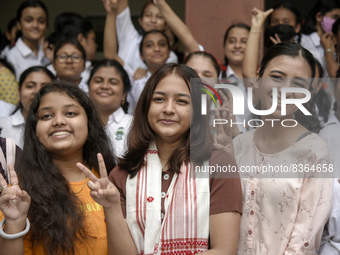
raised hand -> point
(258, 16)
(275, 40)
(111, 6)
(14, 202)
(102, 190)
(327, 41)
(223, 138)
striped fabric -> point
(185, 227)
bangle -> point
(13, 236)
(328, 50)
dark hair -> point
(8, 65)
(12, 23)
(63, 41)
(30, 3)
(336, 27)
(237, 25)
(295, 50)
(152, 32)
(70, 25)
(33, 69)
(287, 49)
(119, 68)
(289, 6)
(141, 135)
(207, 55)
(26, 73)
(322, 6)
(146, 4)
(55, 215)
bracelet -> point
(328, 50)
(13, 236)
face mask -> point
(285, 32)
(327, 24)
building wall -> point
(208, 20)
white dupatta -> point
(187, 205)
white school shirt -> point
(233, 78)
(6, 109)
(117, 128)
(13, 127)
(312, 43)
(135, 92)
(22, 57)
(128, 42)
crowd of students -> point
(100, 156)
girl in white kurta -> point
(284, 210)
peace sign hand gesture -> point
(14, 202)
(102, 190)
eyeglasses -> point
(63, 57)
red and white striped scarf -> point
(186, 222)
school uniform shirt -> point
(117, 128)
(312, 43)
(234, 79)
(129, 39)
(282, 215)
(13, 127)
(4, 51)
(22, 57)
(5, 109)
(135, 92)
(332, 119)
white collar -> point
(116, 116)
(17, 119)
(26, 51)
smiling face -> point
(71, 68)
(155, 51)
(62, 124)
(106, 89)
(152, 19)
(169, 112)
(283, 71)
(30, 87)
(235, 45)
(33, 23)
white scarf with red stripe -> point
(185, 225)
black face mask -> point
(285, 33)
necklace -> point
(76, 192)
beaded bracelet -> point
(13, 236)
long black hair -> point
(55, 215)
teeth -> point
(61, 133)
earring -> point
(123, 101)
